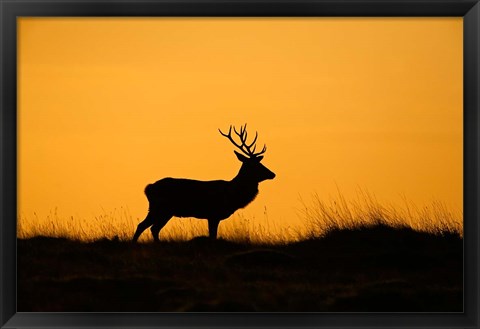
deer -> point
(211, 200)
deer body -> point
(212, 200)
(200, 199)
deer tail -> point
(148, 191)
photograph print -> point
(240, 164)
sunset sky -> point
(109, 105)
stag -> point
(211, 200)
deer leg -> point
(158, 225)
(146, 223)
(212, 228)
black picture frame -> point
(10, 10)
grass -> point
(366, 269)
(317, 218)
(119, 224)
(338, 213)
(358, 256)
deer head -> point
(252, 170)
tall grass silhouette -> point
(365, 210)
(119, 225)
(317, 218)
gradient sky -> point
(108, 105)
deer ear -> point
(259, 158)
(240, 156)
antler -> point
(246, 149)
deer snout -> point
(271, 175)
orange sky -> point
(108, 105)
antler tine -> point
(236, 132)
(229, 132)
(263, 150)
(229, 136)
(254, 140)
(242, 134)
(244, 128)
(252, 152)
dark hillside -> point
(372, 269)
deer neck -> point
(244, 187)
(244, 180)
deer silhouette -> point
(212, 200)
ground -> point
(366, 269)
